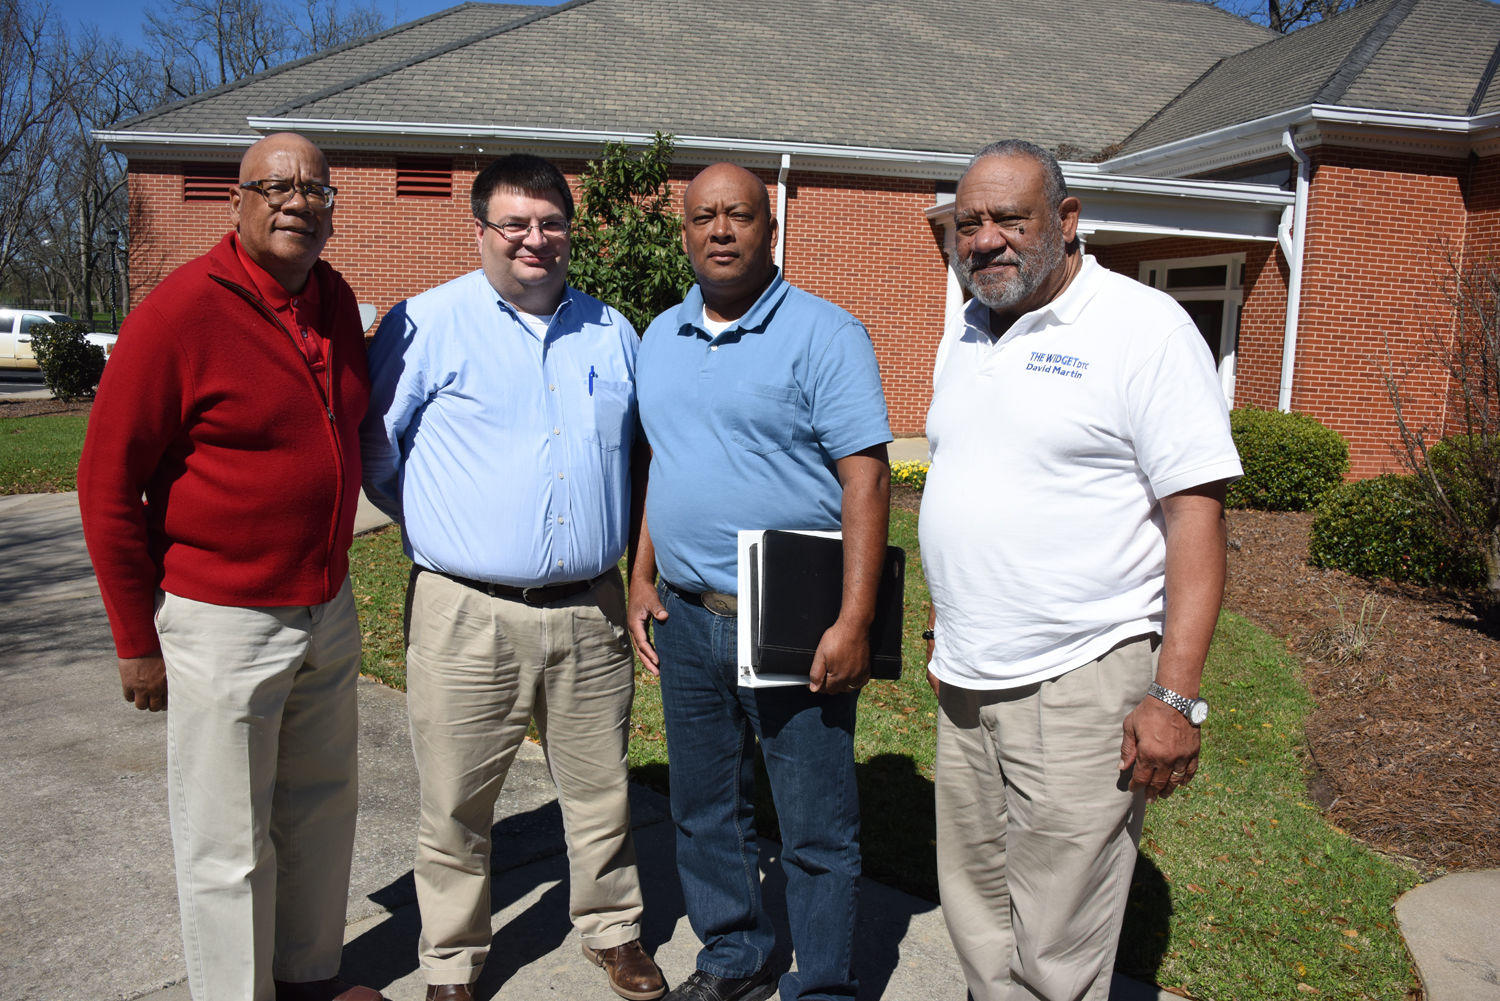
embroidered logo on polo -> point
(1048, 363)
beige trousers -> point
(477, 670)
(262, 787)
(1036, 829)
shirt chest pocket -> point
(761, 418)
(612, 410)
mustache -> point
(976, 262)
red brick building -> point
(1296, 193)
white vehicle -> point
(15, 335)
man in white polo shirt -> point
(1080, 450)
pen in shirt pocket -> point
(592, 375)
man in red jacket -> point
(232, 403)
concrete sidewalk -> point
(88, 905)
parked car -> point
(15, 335)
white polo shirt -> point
(1042, 539)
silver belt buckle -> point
(720, 603)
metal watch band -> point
(1181, 703)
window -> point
(424, 178)
(1211, 290)
(208, 182)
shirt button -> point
(559, 521)
(559, 563)
(557, 430)
(714, 347)
(552, 388)
(560, 476)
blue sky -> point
(123, 18)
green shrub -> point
(70, 365)
(1290, 460)
(1387, 527)
(911, 474)
(1463, 465)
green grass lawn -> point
(1243, 892)
(40, 454)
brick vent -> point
(424, 178)
(208, 182)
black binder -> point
(797, 588)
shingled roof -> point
(1432, 57)
(223, 110)
(939, 75)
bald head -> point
(730, 175)
(728, 232)
(285, 239)
(265, 152)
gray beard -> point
(1004, 295)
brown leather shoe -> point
(325, 990)
(449, 992)
(632, 973)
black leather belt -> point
(546, 595)
(715, 601)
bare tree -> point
(1457, 462)
(1285, 15)
(322, 24)
(35, 79)
(202, 44)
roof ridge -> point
(1482, 88)
(1124, 143)
(265, 74)
(1359, 57)
(422, 57)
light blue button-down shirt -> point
(504, 456)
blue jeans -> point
(807, 741)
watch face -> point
(1198, 712)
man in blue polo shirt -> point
(499, 436)
(763, 408)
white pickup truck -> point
(15, 335)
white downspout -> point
(786, 165)
(1293, 246)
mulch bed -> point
(1404, 742)
(43, 408)
(1405, 736)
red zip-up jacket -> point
(248, 460)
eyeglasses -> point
(277, 191)
(515, 232)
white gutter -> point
(1294, 273)
(786, 165)
(170, 138)
(1268, 127)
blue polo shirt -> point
(745, 427)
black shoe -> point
(707, 987)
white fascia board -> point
(1260, 138)
(130, 142)
(1153, 206)
(585, 142)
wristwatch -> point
(1196, 710)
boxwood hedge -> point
(1290, 460)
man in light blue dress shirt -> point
(500, 436)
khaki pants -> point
(1036, 829)
(477, 670)
(262, 786)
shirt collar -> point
(1065, 309)
(569, 293)
(755, 319)
(278, 298)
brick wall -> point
(861, 242)
(1370, 298)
